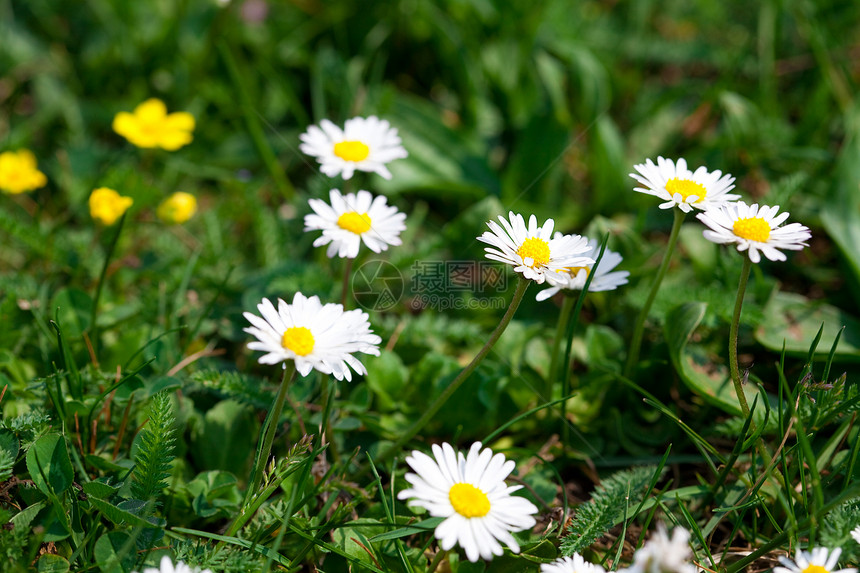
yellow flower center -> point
(351, 150)
(752, 228)
(686, 188)
(815, 569)
(298, 339)
(575, 271)
(535, 249)
(468, 500)
(357, 223)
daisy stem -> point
(270, 426)
(94, 337)
(733, 338)
(433, 408)
(560, 329)
(437, 559)
(325, 428)
(347, 271)
(568, 348)
(639, 328)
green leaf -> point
(121, 514)
(420, 527)
(220, 442)
(8, 453)
(795, 319)
(99, 489)
(50, 563)
(386, 377)
(841, 211)
(49, 465)
(115, 552)
(699, 373)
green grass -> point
(538, 108)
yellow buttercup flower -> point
(177, 208)
(18, 172)
(106, 205)
(151, 126)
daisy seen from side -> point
(755, 229)
(315, 336)
(604, 277)
(664, 554)
(470, 493)
(353, 219)
(532, 251)
(167, 566)
(573, 564)
(819, 560)
(19, 173)
(679, 187)
(364, 144)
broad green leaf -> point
(100, 489)
(840, 214)
(50, 563)
(387, 378)
(703, 376)
(121, 515)
(115, 552)
(795, 320)
(49, 465)
(220, 442)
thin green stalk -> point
(431, 411)
(639, 328)
(94, 338)
(733, 337)
(325, 428)
(560, 329)
(571, 328)
(269, 429)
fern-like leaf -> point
(606, 507)
(155, 450)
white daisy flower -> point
(471, 494)
(754, 229)
(531, 250)
(167, 566)
(573, 564)
(352, 219)
(677, 185)
(315, 336)
(660, 554)
(819, 560)
(604, 279)
(363, 144)
(855, 533)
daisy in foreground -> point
(604, 279)
(471, 494)
(352, 219)
(365, 144)
(313, 335)
(532, 252)
(167, 566)
(678, 186)
(662, 554)
(754, 229)
(819, 560)
(573, 564)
